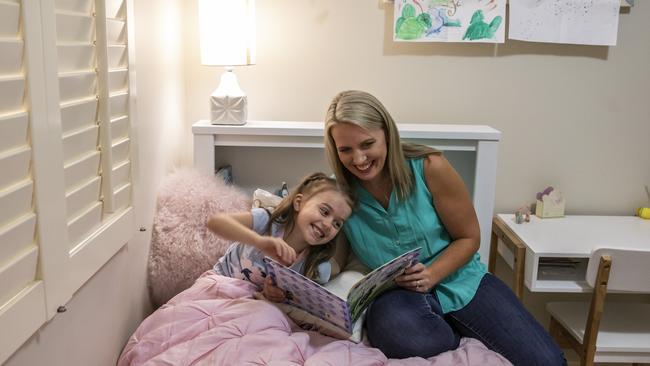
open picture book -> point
(324, 304)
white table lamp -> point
(227, 34)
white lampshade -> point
(227, 32)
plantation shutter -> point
(22, 294)
(93, 97)
(72, 211)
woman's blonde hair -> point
(364, 110)
(285, 214)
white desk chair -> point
(612, 331)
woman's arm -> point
(238, 227)
(456, 212)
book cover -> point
(319, 301)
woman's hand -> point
(277, 249)
(416, 278)
(272, 292)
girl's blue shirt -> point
(377, 235)
(247, 262)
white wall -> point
(106, 310)
(576, 117)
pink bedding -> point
(217, 322)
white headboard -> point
(472, 149)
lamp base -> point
(228, 109)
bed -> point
(216, 320)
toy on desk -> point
(522, 214)
(550, 203)
(643, 212)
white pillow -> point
(265, 199)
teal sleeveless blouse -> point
(377, 235)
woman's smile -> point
(361, 151)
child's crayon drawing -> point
(449, 21)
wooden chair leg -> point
(555, 330)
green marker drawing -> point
(479, 29)
(409, 26)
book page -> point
(378, 281)
(310, 296)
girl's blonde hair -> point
(364, 110)
(285, 215)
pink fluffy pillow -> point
(181, 245)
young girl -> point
(300, 232)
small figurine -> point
(284, 191)
(519, 218)
(523, 214)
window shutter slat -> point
(118, 81)
(12, 89)
(9, 19)
(117, 56)
(17, 236)
(82, 6)
(17, 273)
(122, 174)
(13, 130)
(83, 224)
(14, 166)
(121, 151)
(115, 31)
(82, 197)
(76, 57)
(78, 114)
(71, 27)
(82, 170)
(16, 201)
(122, 196)
(119, 104)
(76, 85)
(79, 143)
(12, 56)
(120, 128)
(115, 9)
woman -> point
(410, 196)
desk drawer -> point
(556, 274)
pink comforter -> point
(217, 322)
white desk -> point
(482, 141)
(527, 247)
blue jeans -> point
(404, 323)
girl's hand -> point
(277, 249)
(416, 278)
(272, 292)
